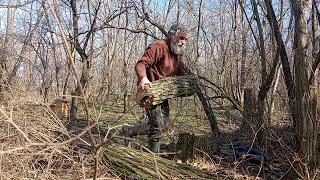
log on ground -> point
(132, 163)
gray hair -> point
(177, 29)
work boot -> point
(154, 145)
(136, 129)
(126, 130)
(133, 130)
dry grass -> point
(36, 144)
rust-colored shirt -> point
(158, 61)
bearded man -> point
(161, 59)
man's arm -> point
(149, 57)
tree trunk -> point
(53, 44)
(248, 111)
(261, 46)
(283, 56)
(85, 56)
(65, 84)
(208, 110)
(4, 50)
(125, 69)
(206, 106)
(305, 120)
(273, 92)
(24, 49)
(300, 97)
(260, 125)
(243, 54)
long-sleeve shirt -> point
(158, 61)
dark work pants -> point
(158, 120)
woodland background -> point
(256, 61)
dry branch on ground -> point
(133, 163)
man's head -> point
(177, 37)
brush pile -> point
(135, 164)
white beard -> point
(176, 49)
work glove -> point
(142, 89)
(144, 81)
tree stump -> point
(192, 147)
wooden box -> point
(61, 108)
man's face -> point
(178, 43)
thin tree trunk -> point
(283, 56)
(206, 106)
(260, 126)
(273, 92)
(53, 45)
(178, 11)
(198, 33)
(5, 49)
(65, 84)
(248, 111)
(125, 69)
(85, 56)
(261, 46)
(243, 54)
(24, 49)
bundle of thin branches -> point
(167, 88)
(137, 164)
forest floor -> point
(37, 145)
(277, 158)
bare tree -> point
(54, 48)
(82, 49)
(300, 99)
(32, 29)
(5, 48)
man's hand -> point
(143, 82)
